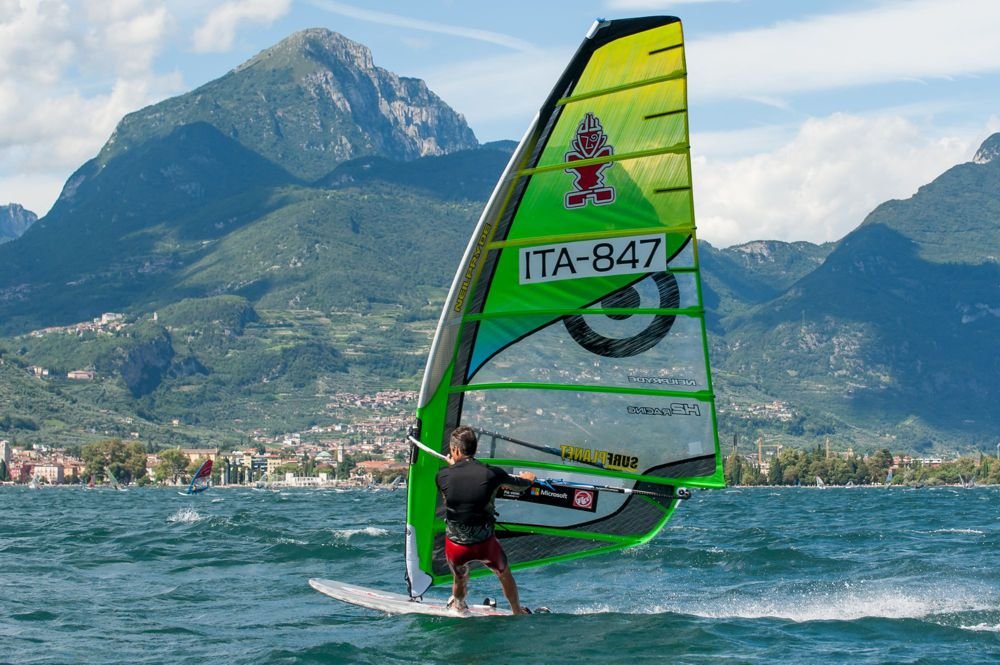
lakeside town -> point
(373, 453)
(368, 451)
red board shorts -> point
(489, 552)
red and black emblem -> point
(590, 143)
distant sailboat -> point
(35, 483)
(888, 478)
(264, 483)
(199, 483)
(113, 482)
(819, 483)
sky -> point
(804, 114)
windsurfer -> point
(469, 488)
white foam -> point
(347, 534)
(983, 628)
(843, 604)
(185, 515)
(974, 532)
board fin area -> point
(397, 603)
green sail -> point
(573, 336)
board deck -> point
(397, 603)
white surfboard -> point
(397, 603)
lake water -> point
(860, 575)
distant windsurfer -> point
(469, 488)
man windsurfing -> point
(469, 488)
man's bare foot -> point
(457, 605)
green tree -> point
(172, 464)
(290, 467)
(733, 470)
(878, 465)
(125, 461)
(775, 472)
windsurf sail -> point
(199, 483)
(113, 481)
(573, 336)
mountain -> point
(752, 273)
(306, 104)
(211, 193)
(286, 234)
(14, 221)
(897, 327)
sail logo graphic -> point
(589, 143)
(470, 271)
(583, 499)
(600, 458)
(554, 494)
(675, 409)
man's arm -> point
(521, 481)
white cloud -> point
(893, 42)
(397, 20)
(50, 120)
(125, 35)
(36, 43)
(217, 33)
(821, 184)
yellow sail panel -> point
(657, 53)
(655, 117)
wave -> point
(983, 628)
(185, 514)
(347, 534)
(972, 532)
(846, 604)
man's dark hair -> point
(465, 440)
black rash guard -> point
(469, 488)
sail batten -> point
(702, 395)
(692, 312)
(619, 88)
(573, 336)
(639, 154)
(590, 235)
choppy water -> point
(740, 575)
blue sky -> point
(804, 114)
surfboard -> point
(397, 603)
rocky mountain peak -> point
(309, 103)
(317, 44)
(14, 220)
(988, 151)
